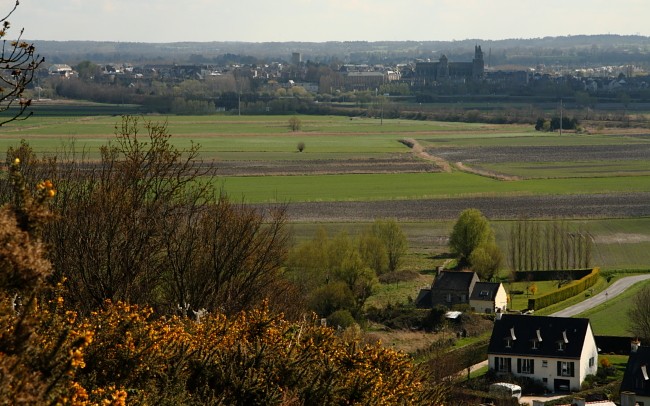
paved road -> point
(612, 291)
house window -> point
(592, 362)
(565, 368)
(525, 366)
(448, 298)
(544, 363)
(503, 364)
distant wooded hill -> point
(582, 50)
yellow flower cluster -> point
(255, 353)
(46, 187)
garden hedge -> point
(567, 291)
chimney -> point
(635, 344)
(628, 399)
(579, 402)
(439, 270)
(499, 315)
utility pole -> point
(560, 117)
(382, 107)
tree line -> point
(551, 245)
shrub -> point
(295, 124)
(340, 318)
(300, 146)
(330, 298)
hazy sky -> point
(324, 20)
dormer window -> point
(484, 293)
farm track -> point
(495, 208)
(421, 153)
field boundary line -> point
(419, 151)
(488, 174)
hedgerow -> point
(567, 291)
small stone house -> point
(448, 289)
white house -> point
(557, 351)
(59, 69)
(488, 297)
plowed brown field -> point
(495, 208)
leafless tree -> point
(145, 225)
(18, 63)
(639, 314)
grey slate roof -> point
(571, 332)
(485, 291)
(634, 379)
(424, 299)
(453, 280)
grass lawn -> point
(398, 292)
(520, 301)
(619, 362)
(610, 318)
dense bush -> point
(340, 319)
(402, 316)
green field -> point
(610, 318)
(366, 187)
(620, 243)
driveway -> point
(612, 291)
(547, 398)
